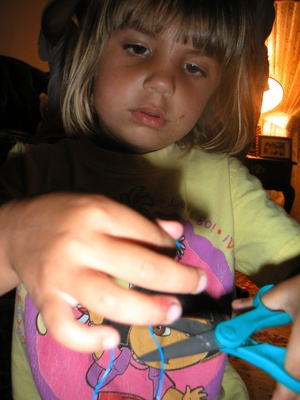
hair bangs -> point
(207, 24)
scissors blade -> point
(190, 326)
(201, 343)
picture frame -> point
(279, 147)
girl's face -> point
(151, 90)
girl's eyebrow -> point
(199, 52)
(202, 50)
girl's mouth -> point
(149, 116)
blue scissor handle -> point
(235, 332)
(234, 336)
(269, 358)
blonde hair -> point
(220, 27)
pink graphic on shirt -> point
(63, 374)
(199, 252)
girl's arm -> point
(284, 296)
(68, 249)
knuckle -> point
(107, 298)
(146, 271)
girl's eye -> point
(194, 69)
(137, 49)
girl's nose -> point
(160, 81)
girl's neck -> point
(107, 144)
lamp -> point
(272, 96)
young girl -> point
(160, 95)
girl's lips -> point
(150, 117)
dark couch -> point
(20, 87)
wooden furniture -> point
(274, 174)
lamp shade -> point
(273, 96)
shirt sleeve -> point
(267, 239)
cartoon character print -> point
(136, 378)
(180, 247)
(19, 320)
(120, 367)
(185, 378)
(166, 335)
(146, 376)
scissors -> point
(233, 337)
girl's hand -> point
(68, 248)
(284, 296)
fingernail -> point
(174, 312)
(202, 283)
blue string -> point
(100, 383)
(162, 360)
(110, 365)
(178, 244)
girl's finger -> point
(110, 300)
(61, 324)
(144, 267)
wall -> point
(284, 57)
(19, 30)
(295, 133)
